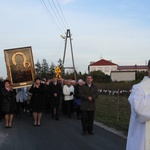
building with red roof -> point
(107, 66)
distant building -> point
(123, 75)
(106, 66)
(118, 73)
(133, 68)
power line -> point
(50, 15)
(62, 13)
(63, 27)
(57, 53)
(59, 13)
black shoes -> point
(89, 132)
(37, 125)
(69, 116)
(57, 118)
(84, 133)
(8, 126)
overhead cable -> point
(62, 14)
(59, 13)
(50, 16)
(60, 23)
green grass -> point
(112, 113)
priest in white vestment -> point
(139, 127)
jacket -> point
(55, 89)
(76, 91)
(37, 98)
(85, 92)
(9, 100)
(66, 91)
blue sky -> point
(115, 30)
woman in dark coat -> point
(9, 103)
(37, 100)
(77, 97)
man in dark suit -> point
(55, 89)
(88, 94)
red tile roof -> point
(103, 62)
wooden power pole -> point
(68, 36)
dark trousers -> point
(68, 107)
(19, 106)
(78, 111)
(55, 103)
(47, 104)
(24, 105)
(1, 109)
(87, 118)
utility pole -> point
(68, 35)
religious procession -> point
(23, 92)
(53, 96)
(97, 100)
(44, 95)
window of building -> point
(113, 68)
(100, 68)
(93, 69)
(106, 69)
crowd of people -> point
(69, 97)
(53, 96)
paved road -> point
(56, 135)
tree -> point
(45, 69)
(81, 76)
(60, 62)
(51, 70)
(38, 68)
(140, 75)
(99, 76)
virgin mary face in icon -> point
(21, 68)
(19, 58)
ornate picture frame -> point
(20, 66)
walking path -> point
(64, 134)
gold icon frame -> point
(20, 66)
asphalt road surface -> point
(65, 134)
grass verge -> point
(113, 111)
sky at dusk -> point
(113, 30)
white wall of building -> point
(105, 69)
(123, 75)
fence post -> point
(118, 105)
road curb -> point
(112, 130)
